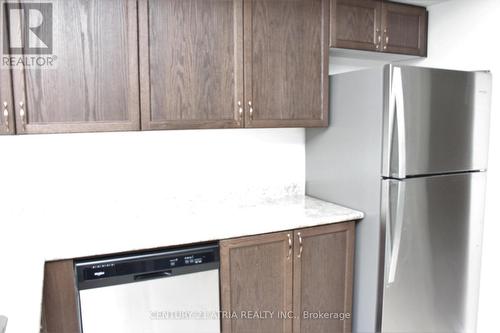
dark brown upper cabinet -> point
(286, 63)
(7, 110)
(404, 29)
(93, 83)
(233, 63)
(375, 25)
(191, 59)
(171, 64)
(7, 125)
(355, 24)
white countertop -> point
(164, 224)
(200, 222)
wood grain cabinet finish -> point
(256, 275)
(375, 25)
(286, 63)
(233, 63)
(355, 24)
(7, 125)
(323, 278)
(60, 305)
(404, 29)
(191, 55)
(176, 64)
(93, 85)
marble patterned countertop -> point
(166, 224)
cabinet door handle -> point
(22, 114)
(290, 246)
(251, 109)
(386, 39)
(301, 246)
(240, 109)
(379, 39)
(6, 116)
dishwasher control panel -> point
(134, 268)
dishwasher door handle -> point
(151, 276)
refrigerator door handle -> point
(395, 237)
(397, 110)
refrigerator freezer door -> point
(433, 232)
(435, 121)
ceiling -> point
(424, 3)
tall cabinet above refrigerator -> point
(408, 146)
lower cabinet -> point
(322, 278)
(60, 304)
(297, 281)
(300, 279)
(257, 275)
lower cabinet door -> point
(256, 279)
(322, 281)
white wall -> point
(84, 171)
(464, 34)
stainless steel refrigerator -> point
(408, 146)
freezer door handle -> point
(397, 113)
(394, 236)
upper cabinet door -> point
(89, 80)
(356, 24)
(323, 275)
(404, 29)
(6, 108)
(286, 63)
(191, 55)
(256, 275)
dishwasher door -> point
(179, 304)
(174, 291)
